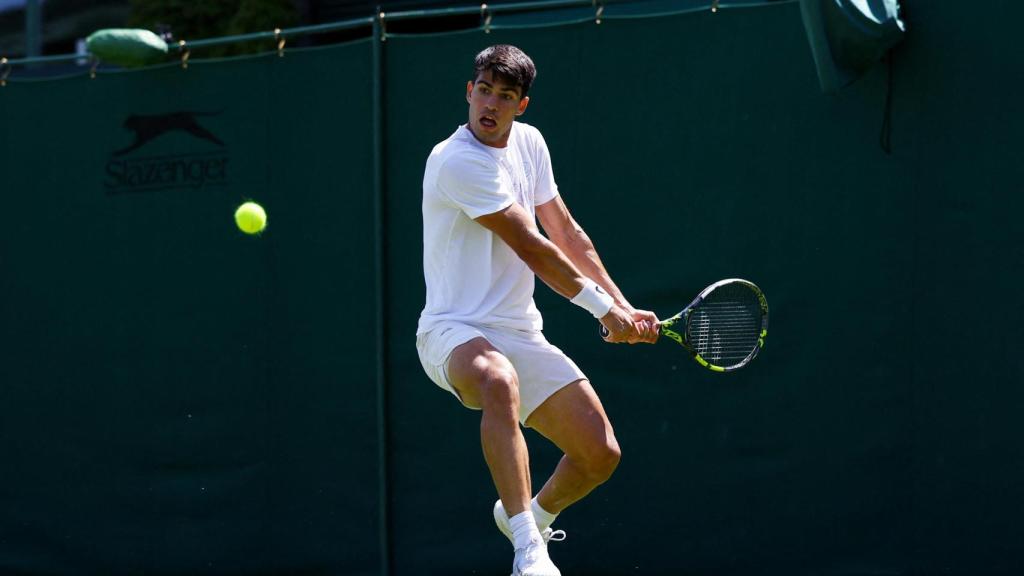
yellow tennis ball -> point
(251, 218)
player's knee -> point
(602, 460)
(499, 388)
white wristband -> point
(593, 299)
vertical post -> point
(33, 29)
(380, 281)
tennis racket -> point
(724, 327)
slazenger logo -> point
(128, 173)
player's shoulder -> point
(455, 146)
(528, 137)
(456, 162)
(453, 141)
(528, 131)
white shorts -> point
(542, 368)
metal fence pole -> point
(33, 29)
(380, 262)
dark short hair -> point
(508, 63)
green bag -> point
(126, 47)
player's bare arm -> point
(517, 228)
(566, 233)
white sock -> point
(524, 529)
(544, 518)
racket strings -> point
(724, 329)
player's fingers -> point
(646, 330)
(634, 333)
(655, 332)
(649, 326)
(639, 330)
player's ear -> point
(469, 91)
(523, 103)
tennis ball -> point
(251, 218)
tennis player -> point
(479, 335)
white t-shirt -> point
(472, 275)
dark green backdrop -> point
(179, 398)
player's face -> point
(493, 106)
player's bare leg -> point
(485, 379)
(574, 419)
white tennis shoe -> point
(533, 560)
(501, 519)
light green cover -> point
(126, 46)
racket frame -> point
(683, 319)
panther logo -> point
(148, 128)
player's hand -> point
(647, 325)
(620, 326)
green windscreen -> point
(179, 397)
